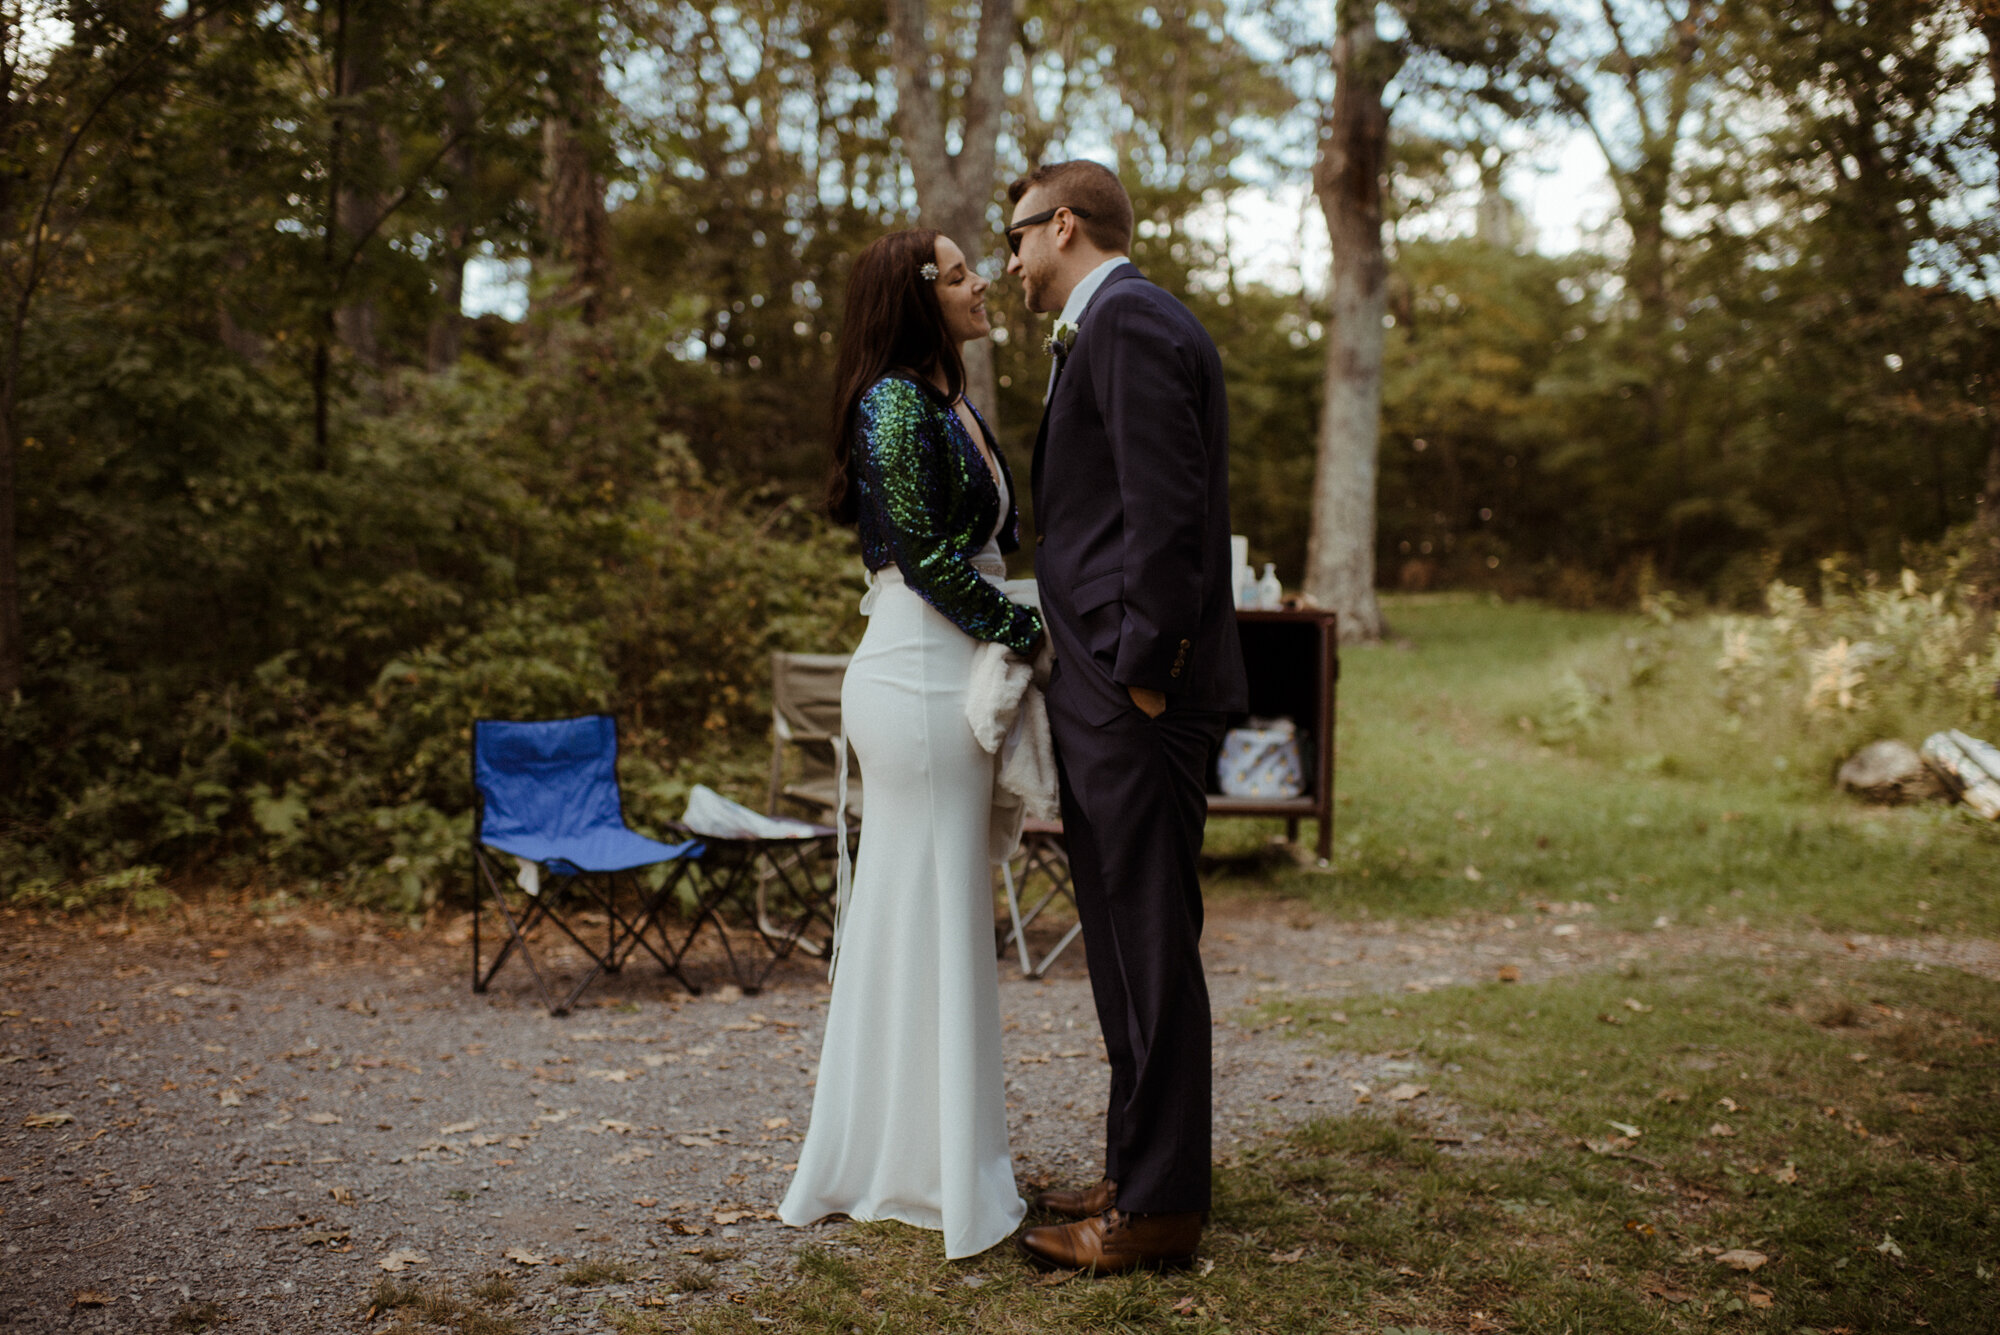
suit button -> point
(1186, 645)
(1176, 672)
(1038, 539)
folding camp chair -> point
(805, 737)
(795, 886)
(1041, 853)
(779, 874)
(548, 797)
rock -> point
(1888, 771)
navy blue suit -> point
(1131, 486)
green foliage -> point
(1453, 800)
(516, 541)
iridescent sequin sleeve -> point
(906, 465)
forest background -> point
(277, 519)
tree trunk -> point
(445, 339)
(954, 189)
(361, 198)
(1349, 180)
(573, 213)
(12, 652)
(1988, 566)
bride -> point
(909, 1116)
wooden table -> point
(1292, 660)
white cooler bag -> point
(1262, 759)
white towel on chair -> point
(1010, 720)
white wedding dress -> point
(909, 1117)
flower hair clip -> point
(929, 272)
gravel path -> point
(266, 1115)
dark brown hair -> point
(893, 322)
(1086, 188)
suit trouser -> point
(1134, 807)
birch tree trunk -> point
(1348, 180)
(954, 189)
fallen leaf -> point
(645, 1202)
(1659, 1290)
(728, 1217)
(1634, 1004)
(1756, 1297)
(1185, 1307)
(1565, 929)
(1472, 873)
(1292, 1257)
(1742, 1258)
(1728, 1104)
(1607, 1144)
(522, 1256)
(1481, 1324)
(229, 1098)
(1625, 1129)
(773, 1123)
(615, 1077)
(1787, 1175)
(323, 1237)
(1722, 1129)
(692, 1142)
(341, 1195)
(1888, 1247)
(402, 1256)
(1054, 1278)
(91, 1298)
(323, 1119)
(1508, 973)
(459, 1128)
(47, 1119)
(1338, 1017)
(1671, 1096)
(1406, 1091)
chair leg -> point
(1019, 935)
(516, 935)
(478, 911)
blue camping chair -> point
(548, 796)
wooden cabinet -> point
(1293, 663)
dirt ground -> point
(271, 1115)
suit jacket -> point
(1131, 485)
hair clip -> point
(929, 271)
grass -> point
(590, 1274)
(1448, 804)
(1837, 1118)
(421, 1309)
(1870, 1187)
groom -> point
(1131, 486)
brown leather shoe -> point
(1094, 1199)
(1113, 1243)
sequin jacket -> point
(928, 504)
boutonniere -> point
(1061, 340)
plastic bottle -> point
(1270, 593)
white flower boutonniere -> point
(1061, 340)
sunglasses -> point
(1013, 233)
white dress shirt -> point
(1079, 299)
